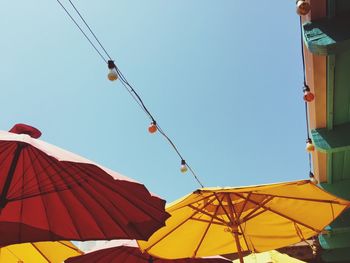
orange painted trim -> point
(316, 78)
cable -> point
(98, 41)
(82, 31)
(305, 85)
(125, 82)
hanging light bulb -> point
(112, 74)
(152, 128)
(312, 178)
(183, 168)
(310, 147)
(308, 95)
(303, 7)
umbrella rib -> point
(10, 175)
(247, 218)
(74, 194)
(127, 198)
(299, 198)
(60, 198)
(285, 216)
(43, 169)
(21, 210)
(207, 221)
(171, 231)
(70, 247)
(244, 205)
(102, 182)
(102, 197)
(6, 152)
(42, 254)
(251, 215)
(205, 232)
(197, 201)
(208, 214)
(27, 148)
(234, 215)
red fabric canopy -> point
(47, 193)
(128, 251)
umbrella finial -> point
(21, 128)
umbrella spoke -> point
(6, 152)
(235, 215)
(252, 213)
(207, 221)
(62, 201)
(284, 216)
(40, 252)
(205, 232)
(126, 196)
(91, 213)
(168, 233)
(10, 175)
(208, 214)
(204, 198)
(244, 205)
(50, 183)
(299, 198)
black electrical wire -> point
(98, 41)
(305, 85)
(82, 31)
(124, 81)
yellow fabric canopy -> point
(272, 256)
(39, 252)
(217, 221)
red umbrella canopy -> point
(129, 252)
(49, 194)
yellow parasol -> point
(39, 252)
(217, 221)
(271, 256)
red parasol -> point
(47, 193)
(117, 251)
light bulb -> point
(312, 178)
(308, 95)
(112, 74)
(303, 7)
(183, 167)
(152, 128)
(310, 147)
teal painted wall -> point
(342, 88)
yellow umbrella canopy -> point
(217, 221)
(271, 256)
(39, 252)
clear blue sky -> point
(222, 78)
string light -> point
(152, 128)
(303, 7)
(183, 167)
(308, 95)
(312, 178)
(309, 145)
(114, 74)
